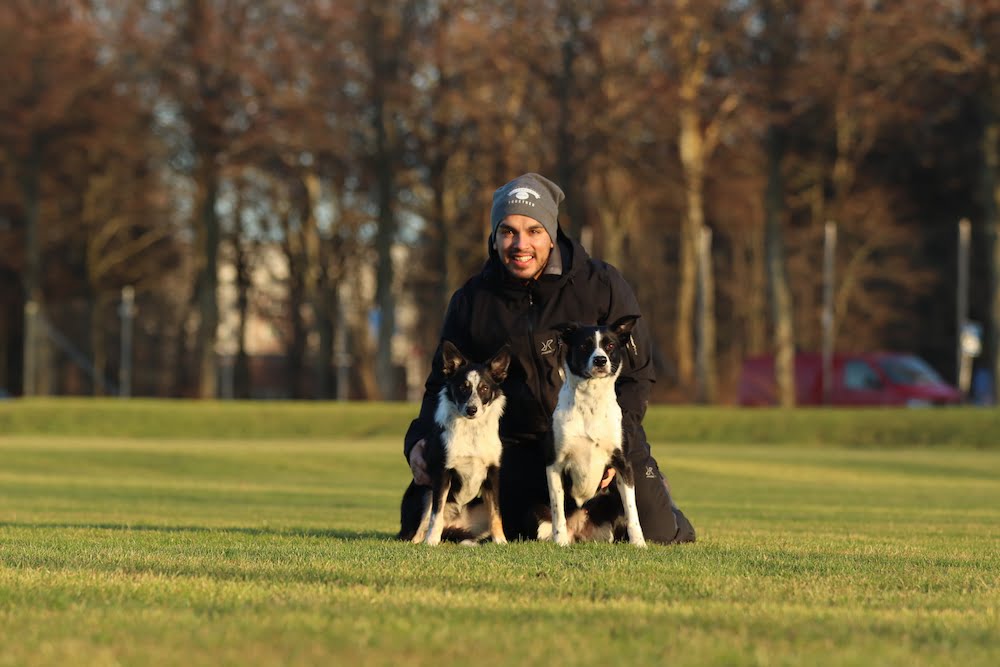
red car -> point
(875, 378)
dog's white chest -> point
(587, 429)
(471, 447)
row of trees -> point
(144, 141)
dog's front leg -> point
(491, 498)
(440, 496)
(626, 487)
(560, 535)
(425, 516)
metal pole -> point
(962, 366)
(829, 265)
(127, 313)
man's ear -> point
(499, 364)
(452, 358)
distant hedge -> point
(244, 420)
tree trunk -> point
(749, 293)
(617, 213)
(440, 260)
(991, 187)
(692, 161)
(295, 353)
(686, 293)
(360, 351)
(385, 236)
(456, 247)
(781, 297)
(566, 167)
(208, 304)
(325, 382)
(317, 292)
(296, 342)
(706, 372)
(697, 288)
(385, 298)
(241, 364)
(98, 343)
(31, 177)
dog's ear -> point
(566, 329)
(499, 364)
(452, 359)
(623, 326)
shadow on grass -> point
(334, 533)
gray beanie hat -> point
(532, 195)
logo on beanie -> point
(523, 193)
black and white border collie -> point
(463, 457)
(587, 431)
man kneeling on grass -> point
(535, 279)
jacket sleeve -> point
(455, 329)
(638, 375)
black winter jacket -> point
(493, 308)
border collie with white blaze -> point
(587, 426)
(463, 457)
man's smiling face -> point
(523, 245)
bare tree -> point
(777, 44)
(208, 55)
(696, 37)
(48, 104)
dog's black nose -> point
(471, 410)
(600, 362)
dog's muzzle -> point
(599, 367)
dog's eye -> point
(467, 385)
(609, 346)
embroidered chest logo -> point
(548, 347)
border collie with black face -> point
(587, 425)
(463, 457)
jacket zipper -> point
(539, 394)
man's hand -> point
(418, 465)
(608, 476)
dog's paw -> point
(562, 539)
(432, 541)
(639, 542)
(544, 531)
(499, 539)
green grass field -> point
(189, 546)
